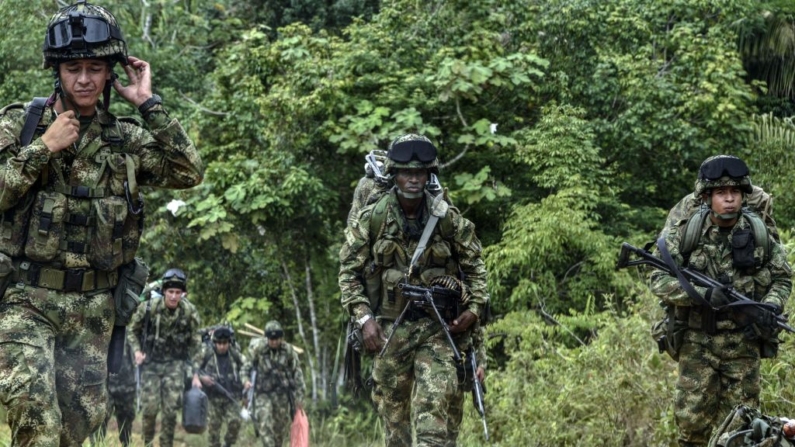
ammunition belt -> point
(64, 280)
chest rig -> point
(397, 259)
(83, 217)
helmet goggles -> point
(418, 150)
(274, 333)
(723, 166)
(78, 30)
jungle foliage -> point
(565, 127)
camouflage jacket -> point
(82, 199)
(383, 254)
(172, 335)
(278, 370)
(771, 283)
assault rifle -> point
(477, 390)
(423, 298)
(220, 388)
(698, 279)
(143, 349)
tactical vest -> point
(169, 335)
(277, 369)
(391, 256)
(90, 219)
(231, 381)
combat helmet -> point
(723, 170)
(273, 330)
(175, 278)
(411, 151)
(719, 171)
(223, 333)
(83, 31)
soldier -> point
(121, 401)
(170, 328)
(279, 388)
(219, 371)
(380, 243)
(721, 347)
(69, 176)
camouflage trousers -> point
(53, 364)
(274, 417)
(455, 410)
(223, 410)
(163, 385)
(715, 373)
(414, 383)
(122, 405)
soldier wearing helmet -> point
(279, 387)
(169, 325)
(220, 373)
(410, 236)
(73, 214)
(720, 344)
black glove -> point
(764, 326)
(716, 296)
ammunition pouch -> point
(669, 332)
(743, 245)
(132, 280)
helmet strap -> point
(106, 91)
(410, 195)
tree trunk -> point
(310, 298)
(309, 356)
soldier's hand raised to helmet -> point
(139, 357)
(62, 133)
(373, 336)
(463, 322)
(140, 87)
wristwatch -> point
(360, 322)
(149, 103)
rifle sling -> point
(426, 236)
(688, 288)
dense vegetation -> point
(565, 127)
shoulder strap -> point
(692, 232)
(32, 118)
(761, 236)
(378, 216)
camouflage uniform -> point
(721, 370)
(172, 342)
(121, 400)
(225, 370)
(279, 388)
(56, 320)
(419, 353)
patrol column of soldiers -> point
(719, 368)
(220, 368)
(71, 217)
(417, 374)
(171, 325)
(279, 388)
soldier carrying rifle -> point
(410, 237)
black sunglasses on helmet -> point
(78, 30)
(274, 334)
(406, 151)
(723, 166)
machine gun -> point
(698, 279)
(478, 391)
(423, 298)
